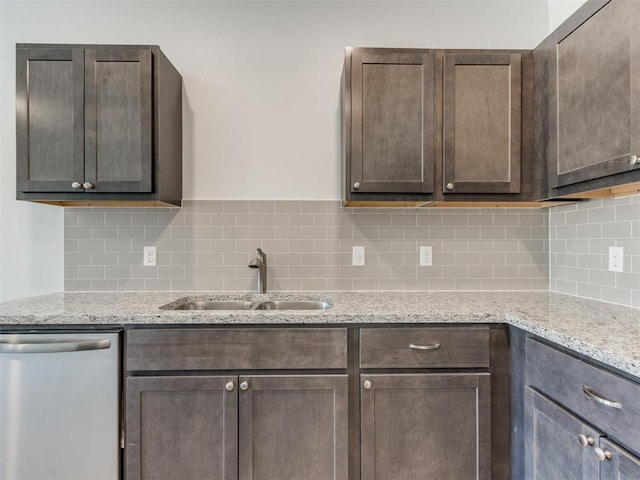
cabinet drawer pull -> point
(634, 160)
(244, 386)
(433, 346)
(591, 393)
(76, 185)
(229, 386)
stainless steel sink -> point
(293, 305)
(214, 305)
(248, 305)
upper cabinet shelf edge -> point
(98, 125)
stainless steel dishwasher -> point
(59, 406)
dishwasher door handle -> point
(49, 346)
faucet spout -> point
(260, 262)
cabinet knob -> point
(229, 386)
(602, 454)
(367, 385)
(87, 185)
(356, 186)
(585, 440)
(244, 386)
(449, 186)
(634, 160)
(76, 185)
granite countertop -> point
(607, 333)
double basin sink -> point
(248, 304)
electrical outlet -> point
(357, 259)
(616, 261)
(149, 257)
(426, 256)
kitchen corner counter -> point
(608, 333)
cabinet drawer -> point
(424, 347)
(230, 349)
(565, 378)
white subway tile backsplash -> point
(130, 232)
(249, 220)
(614, 230)
(384, 233)
(236, 206)
(616, 295)
(90, 246)
(206, 245)
(117, 218)
(77, 233)
(144, 219)
(98, 285)
(576, 217)
(601, 214)
(579, 265)
(118, 272)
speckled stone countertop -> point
(608, 333)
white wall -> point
(261, 92)
(31, 236)
(560, 10)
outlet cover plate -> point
(357, 259)
(426, 256)
(616, 261)
(149, 257)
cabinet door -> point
(620, 465)
(595, 102)
(181, 427)
(426, 426)
(50, 119)
(482, 123)
(118, 120)
(393, 122)
(557, 444)
(293, 427)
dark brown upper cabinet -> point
(482, 118)
(393, 122)
(98, 125)
(588, 105)
(448, 127)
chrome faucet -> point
(260, 262)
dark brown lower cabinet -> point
(293, 427)
(315, 403)
(621, 466)
(559, 445)
(229, 427)
(552, 439)
(181, 427)
(426, 426)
